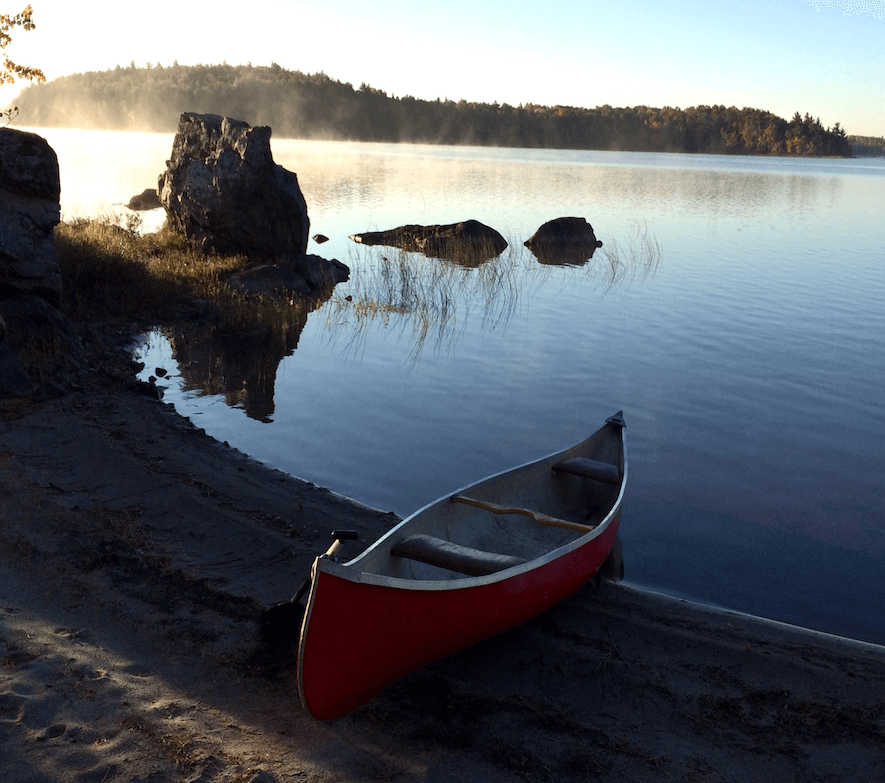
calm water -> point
(749, 360)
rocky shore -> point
(136, 554)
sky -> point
(826, 59)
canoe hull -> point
(363, 630)
(352, 653)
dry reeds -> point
(402, 289)
(113, 273)
(432, 297)
(637, 261)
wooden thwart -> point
(591, 469)
(445, 554)
(541, 519)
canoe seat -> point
(455, 557)
(591, 469)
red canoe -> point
(462, 569)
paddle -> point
(537, 516)
(281, 624)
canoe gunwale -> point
(351, 572)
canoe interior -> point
(535, 486)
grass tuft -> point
(113, 273)
(432, 297)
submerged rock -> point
(268, 279)
(565, 240)
(468, 240)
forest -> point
(315, 106)
(867, 146)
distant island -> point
(315, 106)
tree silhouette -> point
(299, 105)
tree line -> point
(868, 146)
(315, 106)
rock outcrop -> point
(147, 199)
(565, 240)
(33, 332)
(308, 275)
(224, 192)
(469, 240)
(29, 212)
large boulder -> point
(468, 240)
(29, 212)
(565, 240)
(32, 331)
(224, 192)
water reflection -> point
(239, 357)
(242, 367)
(428, 185)
(565, 255)
(426, 299)
(749, 362)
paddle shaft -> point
(340, 537)
(281, 623)
(537, 516)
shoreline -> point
(137, 554)
(721, 614)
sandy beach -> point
(136, 554)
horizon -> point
(819, 58)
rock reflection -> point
(564, 255)
(239, 360)
(240, 367)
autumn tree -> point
(10, 71)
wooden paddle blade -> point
(281, 624)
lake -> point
(741, 332)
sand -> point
(136, 554)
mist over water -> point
(748, 360)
